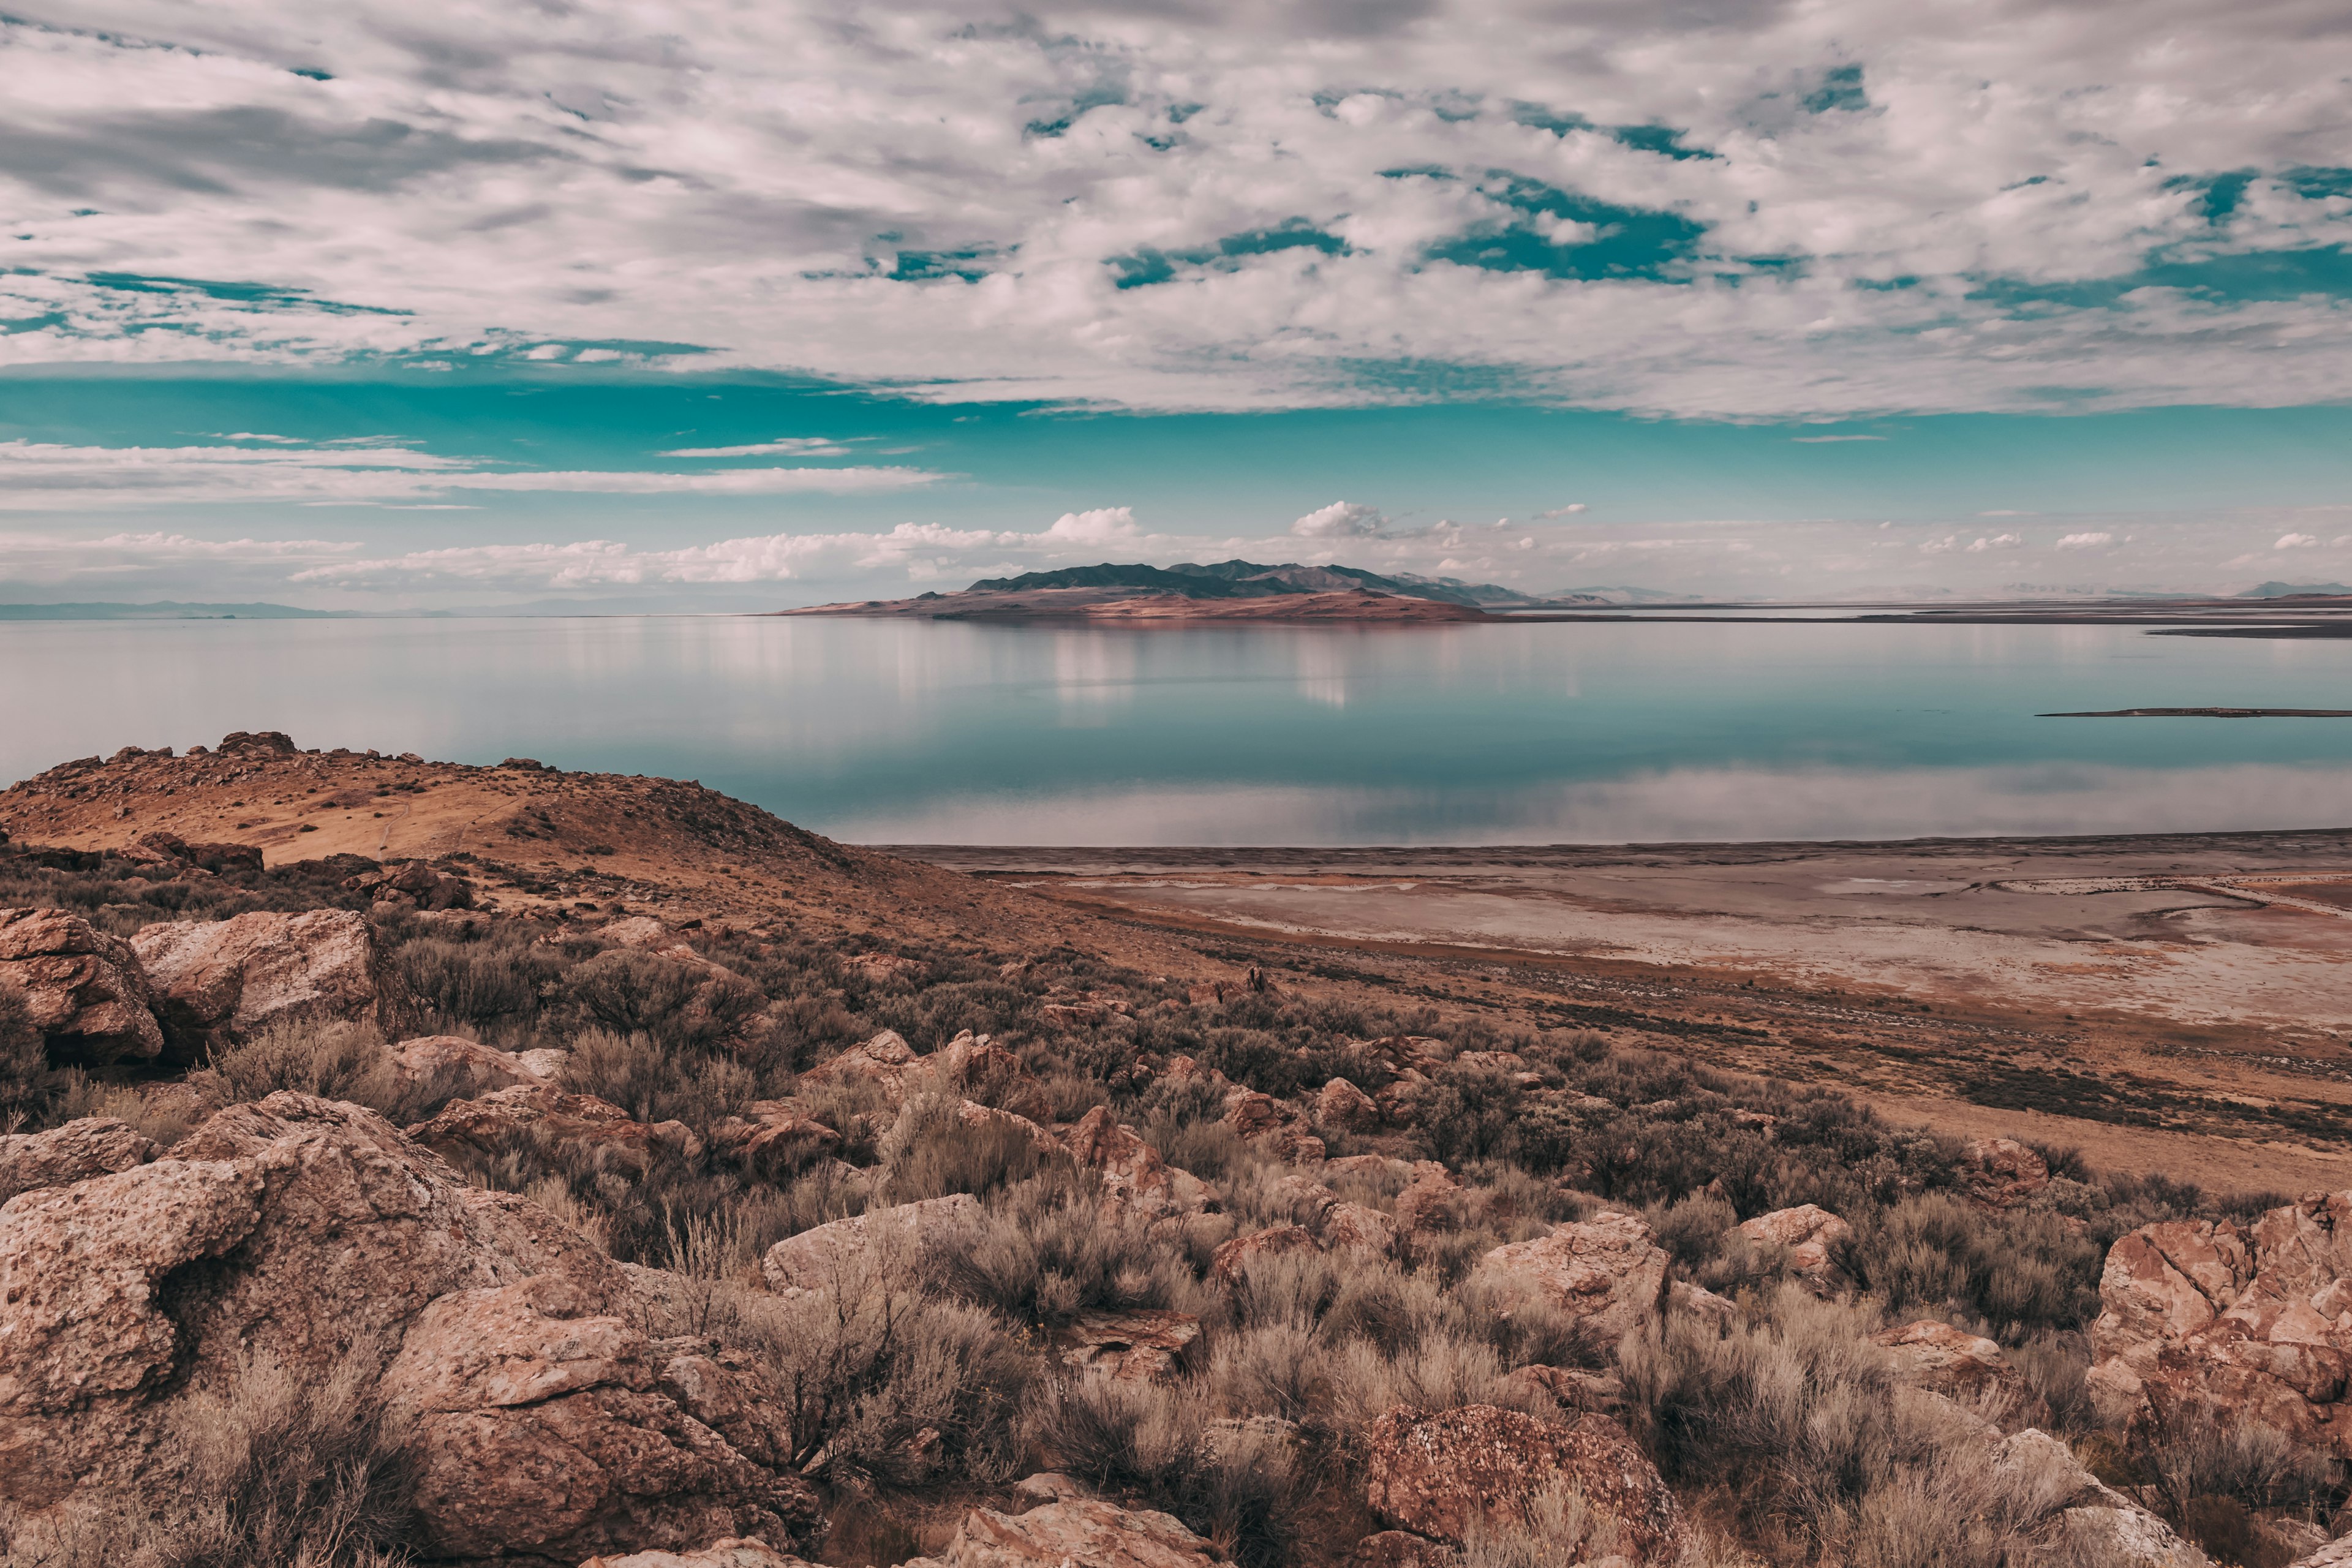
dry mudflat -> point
(2181, 1002)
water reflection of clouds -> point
(1688, 804)
(1092, 675)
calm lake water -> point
(908, 733)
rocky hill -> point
(361, 1211)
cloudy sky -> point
(452, 304)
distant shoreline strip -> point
(2208, 713)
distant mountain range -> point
(1252, 580)
(167, 610)
(2291, 590)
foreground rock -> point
(94, 1146)
(543, 1423)
(1607, 1271)
(1140, 1346)
(2248, 1324)
(226, 980)
(1080, 1533)
(2093, 1522)
(309, 1234)
(85, 989)
(732, 1553)
(1436, 1474)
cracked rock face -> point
(2253, 1322)
(85, 988)
(311, 1233)
(1081, 1531)
(225, 980)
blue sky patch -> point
(1153, 265)
(1630, 242)
(1841, 87)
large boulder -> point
(1140, 1346)
(1437, 1473)
(543, 1423)
(84, 988)
(319, 1231)
(2091, 1521)
(1342, 1105)
(225, 980)
(735, 1551)
(814, 1259)
(94, 1146)
(1082, 1533)
(310, 1235)
(2253, 1323)
(772, 1140)
(467, 1067)
(1232, 1260)
(1609, 1271)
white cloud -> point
(35, 475)
(2084, 541)
(1570, 510)
(946, 198)
(1825, 441)
(1340, 520)
(2296, 542)
(1997, 541)
(787, 446)
(1104, 525)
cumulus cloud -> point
(1340, 520)
(1200, 207)
(2296, 542)
(1997, 541)
(1103, 525)
(51, 477)
(2084, 541)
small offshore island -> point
(1226, 591)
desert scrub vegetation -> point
(276, 1468)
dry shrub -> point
(283, 1469)
(635, 1072)
(929, 1152)
(1801, 1418)
(1557, 1530)
(1045, 1250)
(883, 1378)
(24, 1059)
(330, 1059)
(1237, 1482)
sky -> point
(447, 305)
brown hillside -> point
(537, 836)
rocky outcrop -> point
(84, 988)
(540, 1422)
(1430, 1201)
(341, 1232)
(225, 980)
(1140, 1346)
(889, 1062)
(413, 885)
(1811, 1233)
(1436, 1474)
(94, 1146)
(310, 1235)
(814, 1259)
(1080, 1533)
(1607, 1271)
(2256, 1322)
(590, 1129)
(1234, 1258)
(1134, 1177)
(2001, 1173)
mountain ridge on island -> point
(1233, 590)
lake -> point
(884, 731)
